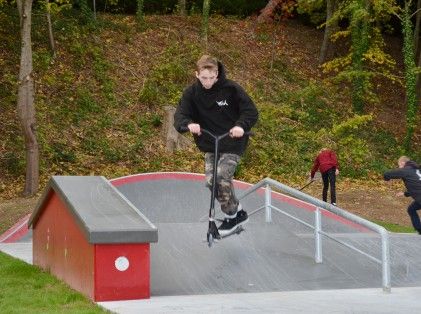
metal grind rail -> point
(268, 183)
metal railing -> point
(267, 183)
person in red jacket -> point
(327, 162)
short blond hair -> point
(403, 159)
(207, 62)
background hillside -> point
(100, 102)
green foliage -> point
(170, 75)
(394, 227)
(62, 152)
(87, 15)
(42, 59)
(13, 163)
(352, 144)
(85, 105)
(306, 121)
(311, 106)
(312, 9)
(280, 68)
(367, 58)
(96, 115)
(239, 8)
(47, 293)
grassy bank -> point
(26, 289)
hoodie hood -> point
(411, 164)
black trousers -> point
(412, 212)
(329, 178)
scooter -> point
(213, 233)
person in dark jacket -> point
(327, 162)
(410, 173)
(218, 105)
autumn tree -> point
(87, 14)
(25, 102)
(417, 27)
(366, 58)
(313, 10)
(417, 46)
(182, 7)
(267, 14)
(140, 15)
(330, 27)
(408, 50)
(50, 9)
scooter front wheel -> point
(210, 239)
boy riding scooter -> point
(218, 105)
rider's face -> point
(207, 77)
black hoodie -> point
(411, 177)
(217, 110)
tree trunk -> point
(417, 27)
(140, 17)
(25, 105)
(360, 41)
(94, 8)
(419, 79)
(326, 45)
(418, 48)
(182, 7)
(173, 139)
(205, 22)
(50, 28)
(410, 76)
(267, 14)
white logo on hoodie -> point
(222, 103)
(418, 173)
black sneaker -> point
(242, 217)
(227, 226)
(230, 224)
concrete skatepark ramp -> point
(275, 256)
(267, 258)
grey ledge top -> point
(102, 213)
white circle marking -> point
(122, 263)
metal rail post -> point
(268, 203)
(385, 262)
(317, 236)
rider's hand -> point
(400, 194)
(194, 128)
(237, 131)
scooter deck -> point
(237, 231)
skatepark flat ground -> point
(268, 268)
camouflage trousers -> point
(224, 192)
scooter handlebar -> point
(186, 129)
